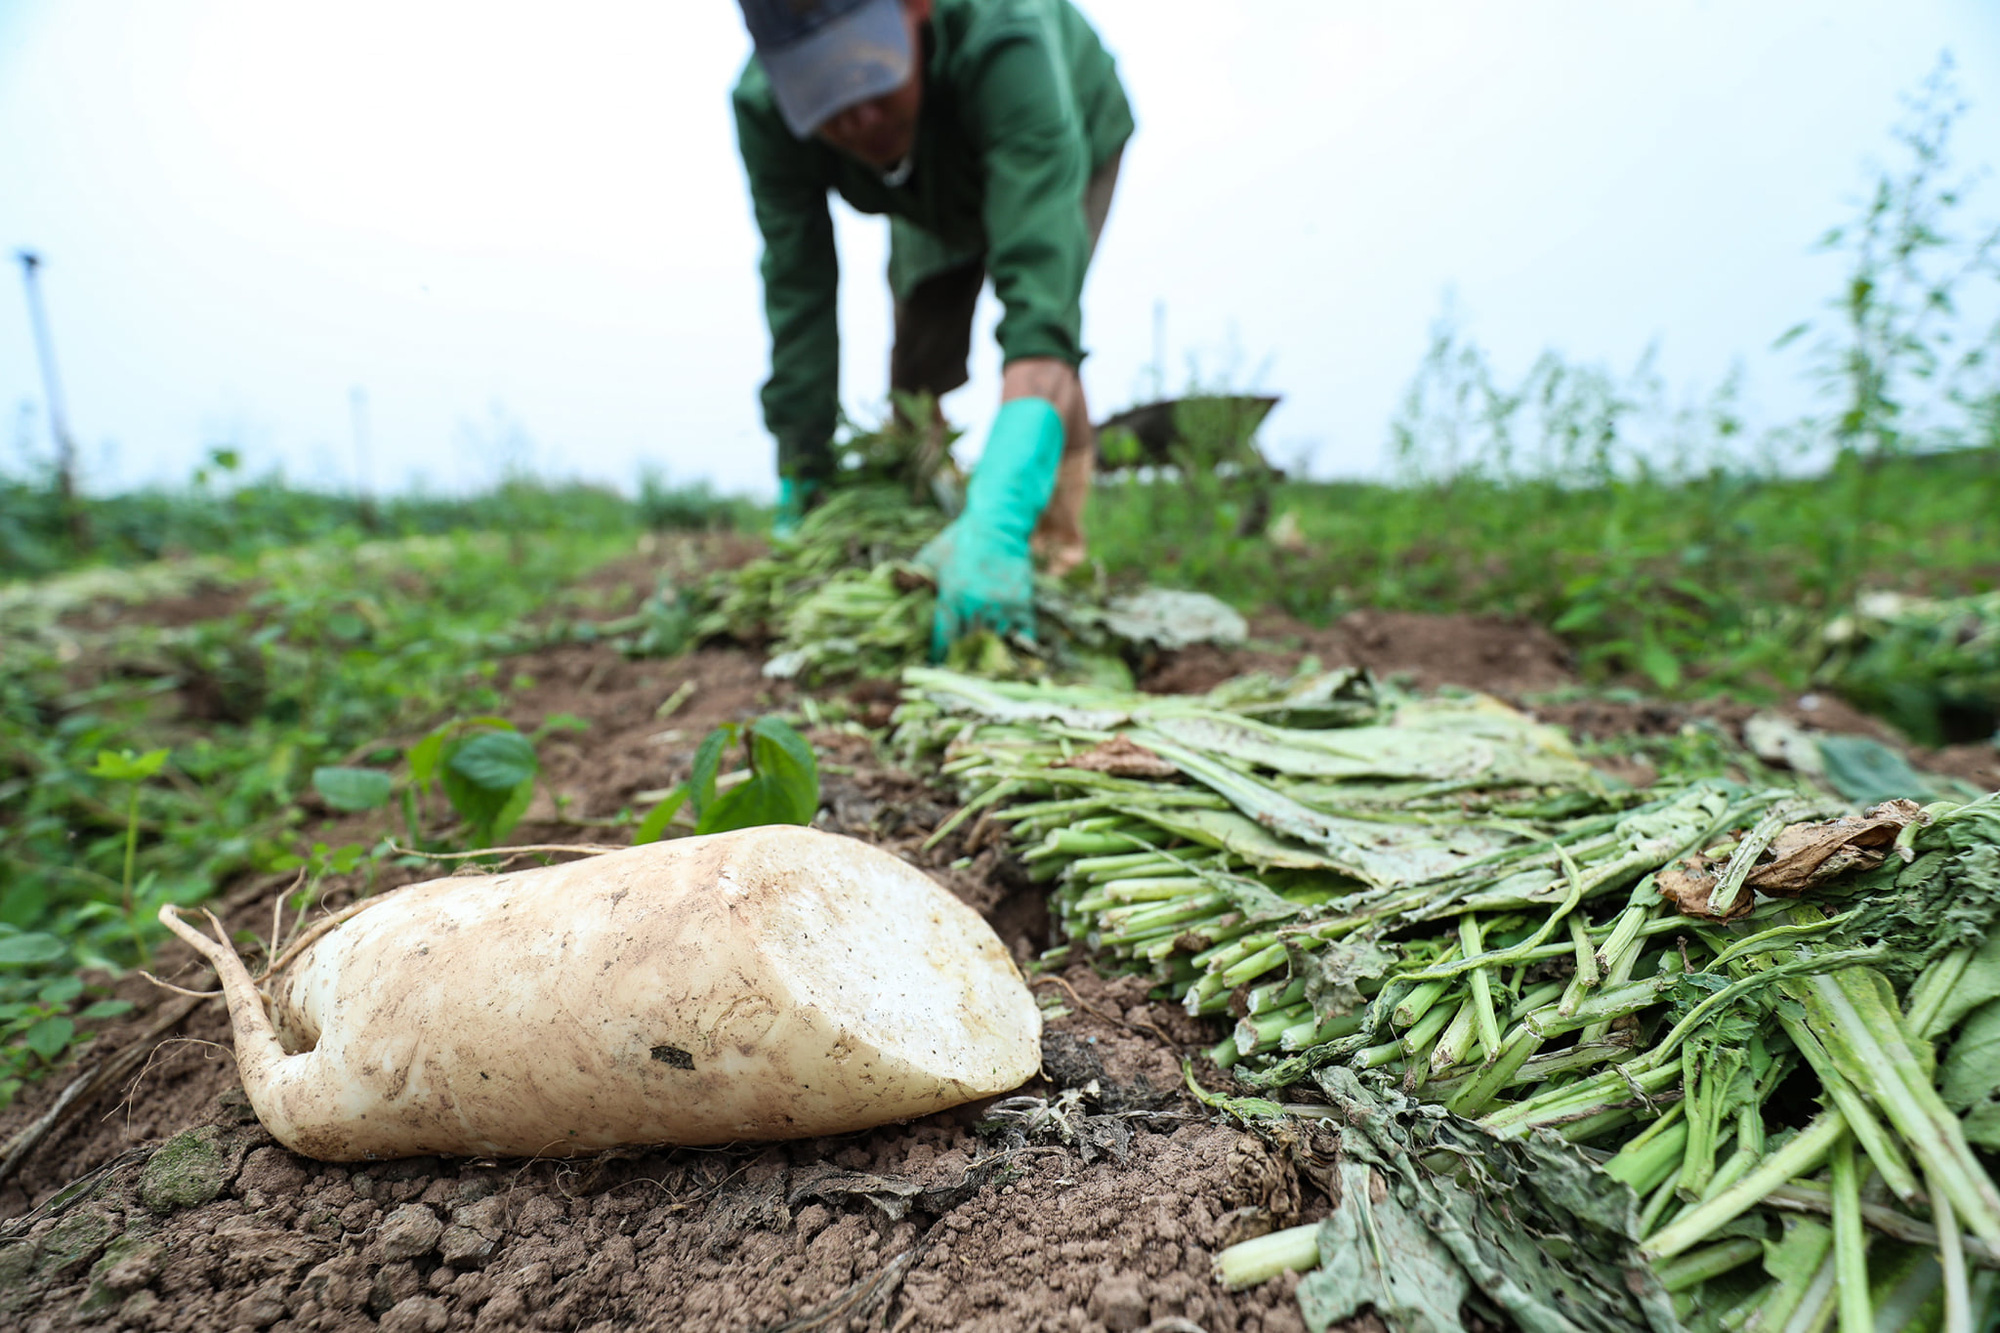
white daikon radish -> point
(775, 982)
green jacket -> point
(1021, 104)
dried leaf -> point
(1689, 884)
(1805, 855)
(1121, 757)
(891, 1194)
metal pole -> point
(31, 264)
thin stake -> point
(45, 349)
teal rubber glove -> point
(985, 580)
(795, 497)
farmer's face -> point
(881, 130)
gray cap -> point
(823, 56)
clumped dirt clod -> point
(935, 1224)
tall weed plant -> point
(1907, 353)
(1666, 540)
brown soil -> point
(1482, 652)
(164, 612)
(1096, 1207)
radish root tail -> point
(256, 1039)
(180, 990)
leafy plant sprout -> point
(134, 769)
(779, 783)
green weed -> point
(779, 782)
(484, 768)
(134, 769)
(205, 518)
(340, 654)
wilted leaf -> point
(1172, 618)
(1376, 1253)
(1972, 1071)
(1334, 975)
(1862, 769)
(1689, 885)
(1792, 1262)
(1979, 983)
(1776, 739)
(1495, 1208)
(1313, 700)
(1121, 757)
(1803, 855)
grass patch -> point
(1717, 582)
(42, 534)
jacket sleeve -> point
(801, 273)
(1030, 134)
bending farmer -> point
(989, 131)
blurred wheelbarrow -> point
(1211, 431)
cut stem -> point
(1850, 1243)
(1951, 1258)
(1713, 1261)
(1801, 1156)
(1485, 1022)
(1293, 1250)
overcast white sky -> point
(522, 228)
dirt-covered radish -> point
(775, 982)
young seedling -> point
(125, 766)
(782, 787)
(484, 765)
